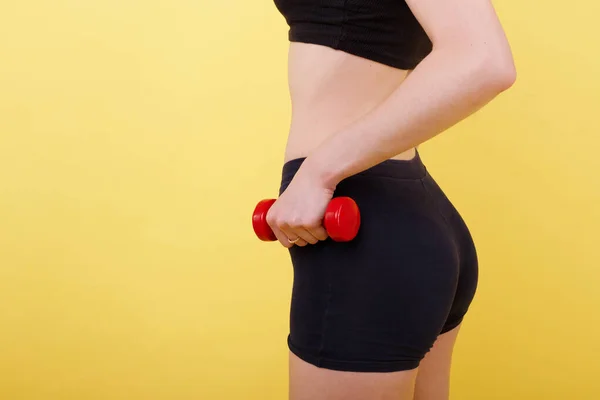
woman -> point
(377, 317)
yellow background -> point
(135, 140)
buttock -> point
(379, 302)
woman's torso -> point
(331, 89)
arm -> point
(470, 64)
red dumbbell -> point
(341, 220)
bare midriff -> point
(330, 90)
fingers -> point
(318, 232)
(309, 231)
(282, 237)
(298, 234)
(299, 242)
(286, 239)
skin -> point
(431, 381)
(349, 114)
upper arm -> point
(470, 24)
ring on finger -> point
(293, 240)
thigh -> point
(308, 382)
(433, 378)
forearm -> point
(445, 88)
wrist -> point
(321, 170)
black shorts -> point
(378, 303)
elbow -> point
(486, 66)
(500, 75)
(496, 71)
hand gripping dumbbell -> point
(341, 220)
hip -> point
(379, 301)
(403, 212)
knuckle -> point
(295, 222)
(278, 221)
(271, 219)
(313, 223)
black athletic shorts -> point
(378, 303)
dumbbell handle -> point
(341, 220)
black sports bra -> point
(385, 31)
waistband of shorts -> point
(391, 168)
